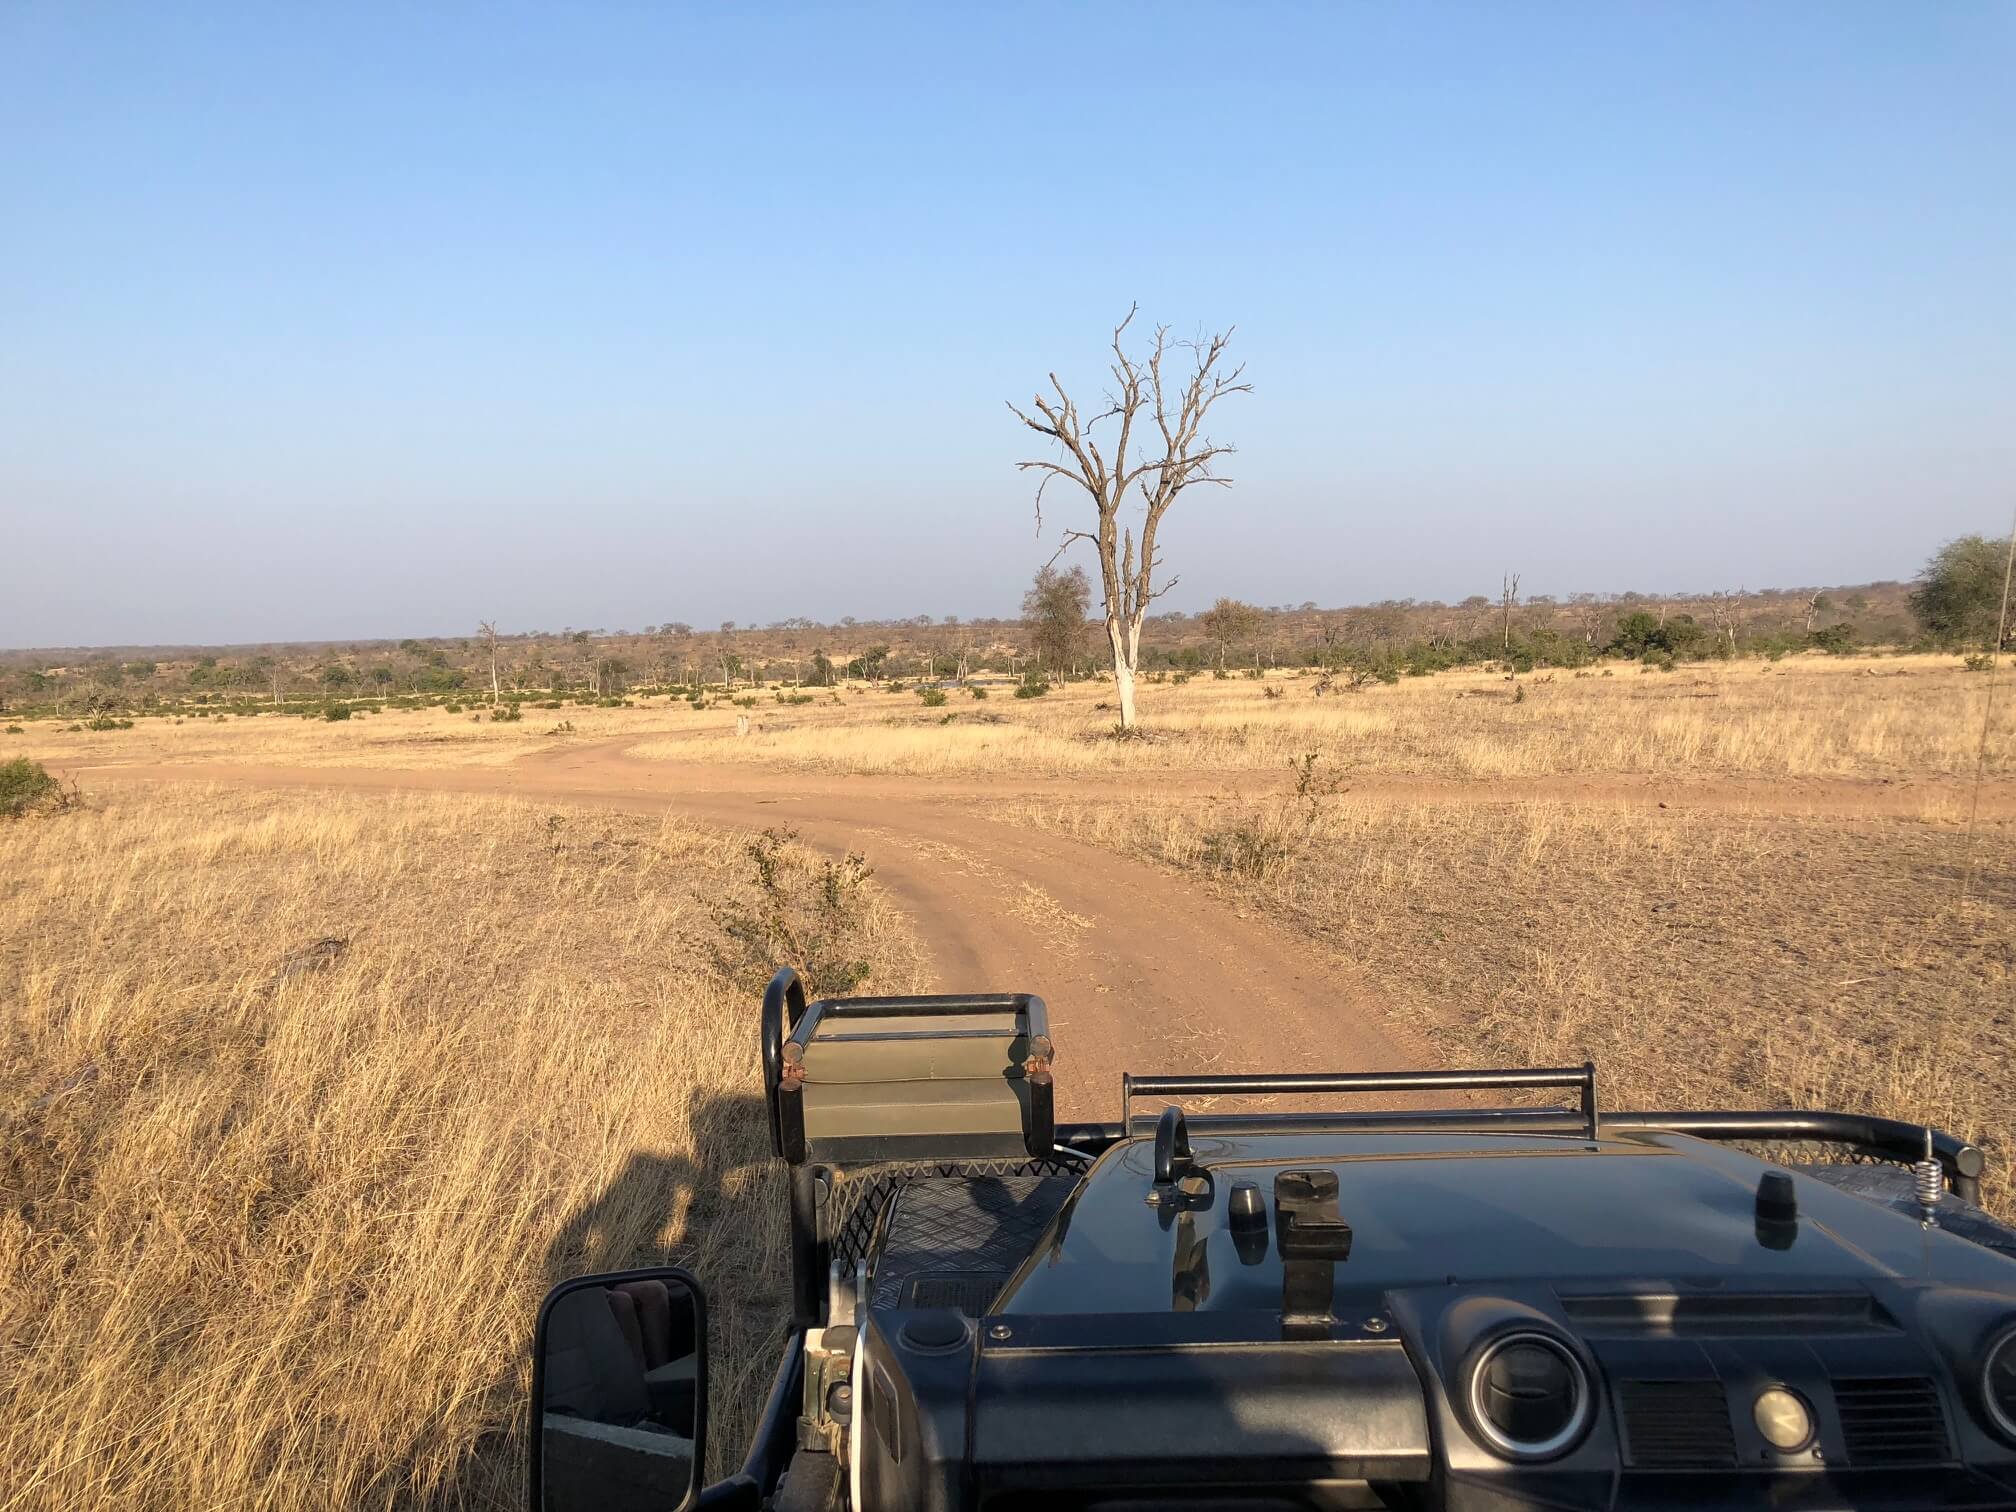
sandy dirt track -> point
(1140, 970)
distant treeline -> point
(1392, 638)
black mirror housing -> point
(618, 1409)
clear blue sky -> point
(341, 320)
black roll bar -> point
(1888, 1139)
(783, 1006)
(1582, 1077)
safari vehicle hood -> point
(1636, 1210)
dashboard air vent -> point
(1892, 1420)
(1671, 1425)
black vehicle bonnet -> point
(1429, 1210)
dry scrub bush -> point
(307, 1100)
(1701, 959)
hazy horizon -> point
(325, 321)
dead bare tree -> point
(488, 630)
(1510, 599)
(1143, 393)
(1728, 611)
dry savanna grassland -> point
(1895, 718)
(307, 1098)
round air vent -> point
(1998, 1383)
(1529, 1397)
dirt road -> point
(1140, 970)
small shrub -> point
(744, 703)
(453, 708)
(1979, 661)
(15, 730)
(1032, 689)
(1219, 674)
(1180, 678)
(1660, 660)
(565, 727)
(26, 786)
(107, 722)
(934, 698)
(794, 699)
(1273, 691)
(804, 910)
(336, 711)
(506, 714)
(1251, 848)
(980, 693)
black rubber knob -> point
(1777, 1198)
(1247, 1209)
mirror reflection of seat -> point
(620, 1396)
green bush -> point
(748, 702)
(934, 698)
(1032, 689)
(107, 722)
(451, 708)
(508, 713)
(26, 785)
(336, 711)
(16, 730)
(977, 692)
(1976, 661)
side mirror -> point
(619, 1393)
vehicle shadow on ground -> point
(695, 1209)
(673, 1209)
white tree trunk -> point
(1126, 642)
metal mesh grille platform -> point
(976, 1229)
(852, 1213)
(949, 1235)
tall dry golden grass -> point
(275, 1219)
